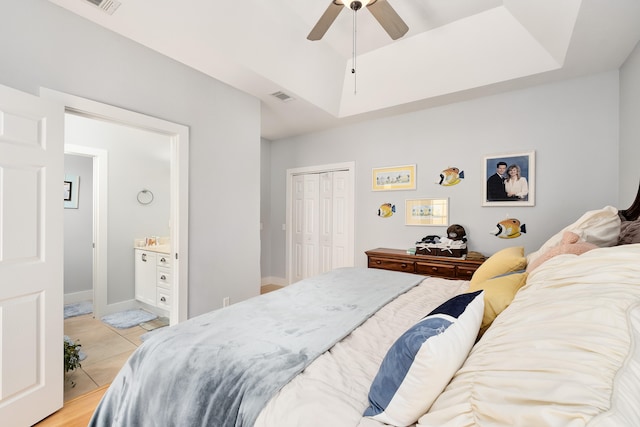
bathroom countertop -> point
(163, 249)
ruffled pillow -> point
(600, 227)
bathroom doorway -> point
(176, 223)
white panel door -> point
(31, 293)
(297, 223)
(325, 213)
(311, 225)
(341, 251)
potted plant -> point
(71, 357)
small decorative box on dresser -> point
(399, 260)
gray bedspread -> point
(221, 368)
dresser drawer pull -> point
(434, 268)
(144, 257)
(163, 277)
(163, 260)
(163, 299)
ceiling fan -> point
(380, 9)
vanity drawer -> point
(163, 298)
(391, 264)
(163, 277)
(163, 260)
(436, 269)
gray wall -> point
(42, 45)
(629, 169)
(265, 210)
(572, 126)
(78, 228)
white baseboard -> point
(271, 280)
(78, 297)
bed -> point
(554, 345)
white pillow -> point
(423, 360)
(600, 227)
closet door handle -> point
(163, 299)
(163, 260)
(163, 277)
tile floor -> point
(107, 350)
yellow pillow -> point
(502, 262)
(498, 294)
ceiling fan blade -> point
(326, 20)
(388, 18)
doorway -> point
(319, 219)
(178, 137)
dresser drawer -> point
(388, 264)
(465, 273)
(428, 265)
(435, 269)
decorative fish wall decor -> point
(451, 176)
(509, 228)
(386, 210)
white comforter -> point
(332, 391)
(565, 353)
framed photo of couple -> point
(509, 179)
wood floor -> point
(76, 412)
(78, 409)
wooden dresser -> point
(400, 260)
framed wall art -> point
(394, 178)
(71, 192)
(427, 212)
(509, 180)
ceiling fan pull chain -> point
(353, 61)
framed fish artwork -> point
(427, 212)
(394, 178)
(509, 179)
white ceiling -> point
(454, 50)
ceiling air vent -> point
(282, 96)
(108, 6)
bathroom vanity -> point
(153, 276)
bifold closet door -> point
(305, 225)
(320, 235)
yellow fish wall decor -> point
(386, 210)
(451, 176)
(509, 228)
